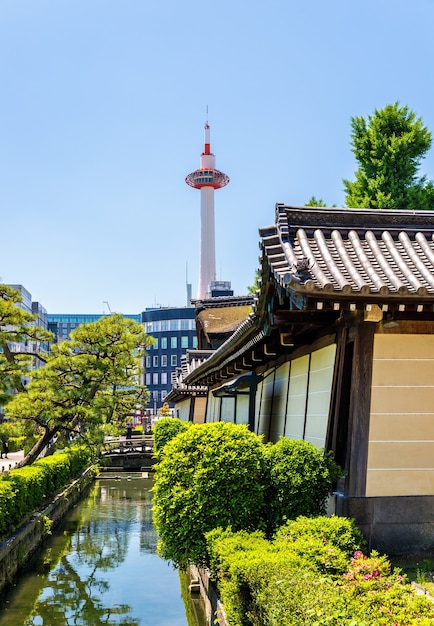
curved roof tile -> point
(359, 251)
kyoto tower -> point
(207, 179)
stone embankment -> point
(200, 582)
(18, 548)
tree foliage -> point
(389, 147)
(313, 201)
(252, 289)
(88, 382)
(17, 330)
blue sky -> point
(102, 109)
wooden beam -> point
(360, 407)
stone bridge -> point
(134, 455)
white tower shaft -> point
(207, 271)
(207, 179)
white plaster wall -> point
(320, 386)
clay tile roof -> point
(351, 251)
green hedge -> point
(305, 576)
(24, 490)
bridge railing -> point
(122, 445)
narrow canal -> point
(101, 567)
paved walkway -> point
(13, 459)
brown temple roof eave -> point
(311, 297)
(240, 342)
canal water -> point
(101, 567)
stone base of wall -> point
(215, 614)
(393, 525)
(17, 550)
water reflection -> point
(101, 568)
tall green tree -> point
(88, 382)
(18, 330)
(314, 201)
(389, 147)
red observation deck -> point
(207, 178)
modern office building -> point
(174, 331)
(61, 324)
(35, 348)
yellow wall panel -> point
(396, 346)
(400, 483)
(403, 372)
(386, 427)
(401, 454)
(402, 400)
(401, 433)
(199, 410)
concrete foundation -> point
(394, 525)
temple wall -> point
(200, 404)
(401, 433)
(183, 409)
(320, 385)
(212, 409)
(293, 401)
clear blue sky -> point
(102, 109)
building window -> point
(164, 360)
(164, 378)
(163, 395)
(148, 362)
(174, 324)
(164, 325)
(174, 342)
(184, 342)
(164, 343)
(185, 324)
(173, 360)
(148, 380)
(155, 346)
(155, 378)
(155, 361)
(195, 343)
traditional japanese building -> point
(339, 351)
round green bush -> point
(166, 429)
(209, 476)
(301, 478)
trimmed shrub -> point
(340, 532)
(166, 429)
(209, 476)
(288, 583)
(26, 489)
(301, 478)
